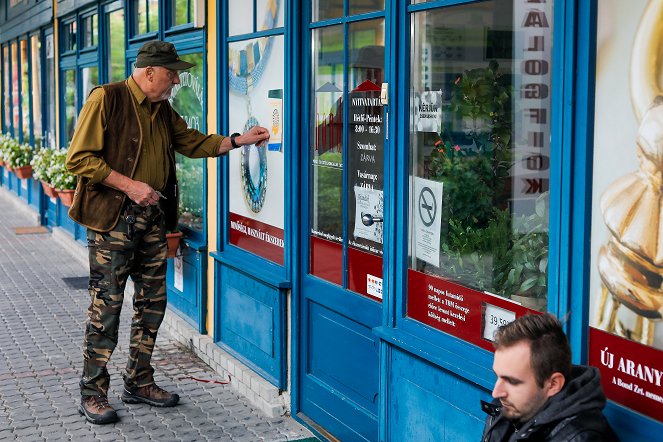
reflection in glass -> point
(35, 52)
(493, 236)
(116, 45)
(326, 9)
(70, 104)
(364, 6)
(90, 29)
(240, 17)
(187, 100)
(182, 12)
(140, 20)
(153, 15)
(6, 88)
(25, 91)
(49, 83)
(69, 37)
(14, 83)
(90, 79)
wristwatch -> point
(232, 140)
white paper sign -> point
(24, 184)
(428, 111)
(493, 318)
(427, 212)
(178, 280)
(369, 201)
(374, 286)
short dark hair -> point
(549, 346)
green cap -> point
(160, 53)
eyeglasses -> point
(172, 74)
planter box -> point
(173, 243)
(49, 190)
(23, 172)
(66, 196)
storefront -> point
(435, 169)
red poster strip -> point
(327, 260)
(256, 237)
(631, 373)
(360, 265)
(452, 308)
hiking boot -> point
(150, 394)
(97, 410)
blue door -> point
(343, 168)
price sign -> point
(178, 280)
(494, 317)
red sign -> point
(256, 237)
(631, 373)
(455, 309)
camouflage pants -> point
(139, 252)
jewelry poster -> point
(256, 175)
(626, 308)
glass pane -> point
(69, 37)
(269, 14)
(50, 90)
(188, 100)
(363, 6)
(25, 91)
(140, 23)
(326, 217)
(15, 96)
(256, 174)
(479, 157)
(182, 12)
(70, 105)
(6, 88)
(90, 79)
(116, 45)
(95, 30)
(240, 17)
(326, 9)
(35, 51)
(153, 15)
(365, 152)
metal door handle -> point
(368, 220)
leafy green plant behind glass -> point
(480, 248)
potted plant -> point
(62, 180)
(42, 169)
(17, 157)
(173, 238)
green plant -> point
(61, 178)
(18, 155)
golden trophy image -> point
(630, 263)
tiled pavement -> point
(41, 330)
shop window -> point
(90, 31)
(70, 105)
(182, 12)
(146, 16)
(35, 65)
(115, 45)
(89, 79)
(25, 91)
(50, 92)
(16, 123)
(6, 96)
(479, 165)
(256, 174)
(268, 15)
(187, 99)
(69, 36)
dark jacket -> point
(575, 414)
(97, 206)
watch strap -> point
(232, 140)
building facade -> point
(435, 169)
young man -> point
(539, 395)
(123, 151)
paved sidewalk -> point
(41, 331)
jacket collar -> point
(135, 90)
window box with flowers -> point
(62, 180)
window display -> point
(35, 63)
(626, 299)
(25, 90)
(479, 158)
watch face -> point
(253, 171)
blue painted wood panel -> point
(251, 321)
(189, 302)
(427, 403)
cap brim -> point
(178, 65)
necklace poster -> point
(256, 174)
(626, 308)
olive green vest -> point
(97, 206)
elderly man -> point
(538, 395)
(123, 151)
